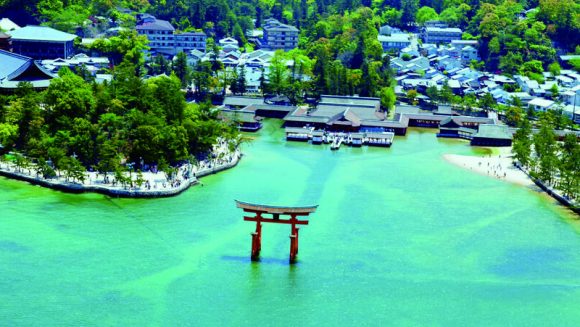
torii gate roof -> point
(275, 209)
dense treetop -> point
(103, 126)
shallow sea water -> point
(401, 238)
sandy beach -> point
(497, 166)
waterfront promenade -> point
(153, 184)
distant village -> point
(435, 56)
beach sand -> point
(497, 166)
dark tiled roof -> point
(242, 101)
(489, 131)
(158, 24)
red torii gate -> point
(275, 212)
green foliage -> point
(532, 67)
(388, 98)
(85, 125)
(425, 14)
(128, 45)
(545, 149)
(182, 69)
(412, 96)
(569, 166)
(554, 69)
(522, 143)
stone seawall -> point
(551, 192)
(557, 196)
(118, 192)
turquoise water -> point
(401, 238)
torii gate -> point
(275, 212)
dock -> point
(358, 139)
(337, 143)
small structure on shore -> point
(274, 213)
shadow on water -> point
(263, 260)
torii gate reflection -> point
(274, 213)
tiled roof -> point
(41, 33)
(158, 24)
(493, 132)
(15, 68)
(11, 63)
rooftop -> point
(444, 29)
(15, 68)
(348, 100)
(242, 101)
(493, 132)
(157, 25)
(41, 33)
(394, 38)
(11, 62)
(8, 25)
(541, 102)
(274, 25)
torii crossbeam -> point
(273, 215)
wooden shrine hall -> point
(278, 215)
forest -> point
(78, 124)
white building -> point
(441, 35)
(394, 41)
(541, 104)
(469, 53)
(162, 37)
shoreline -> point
(500, 166)
(99, 186)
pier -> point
(318, 137)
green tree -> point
(409, 11)
(128, 45)
(388, 98)
(433, 93)
(522, 143)
(545, 149)
(182, 69)
(412, 96)
(278, 73)
(425, 14)
(554, 69)
(569, 166)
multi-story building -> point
(278, 36)
(163, 39)
(158, 32)
(394, 41)
(190, 41)
(441, 35)
(42, 42)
